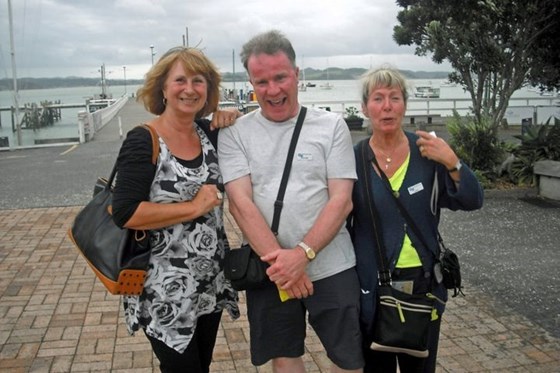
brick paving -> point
(56, 317)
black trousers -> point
(198, 355)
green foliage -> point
(493, 46)
(484, 181)
(545, 67)
(477, 144)
(538, 143)
(352, 113)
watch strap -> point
(457, 167)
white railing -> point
(537, 108)
(90, 123)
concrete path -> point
(56, 317)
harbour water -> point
(344, 93)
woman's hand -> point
(207, 198)
(436, 149)
(224, 118)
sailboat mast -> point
(233, 62)
(103, 82)
(14, 74)
(303, 67)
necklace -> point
(388, 157)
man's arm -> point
(290, 264)
(258, 233)
(248, 217)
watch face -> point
(310, 254)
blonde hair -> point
(194, 62)
(383, 77)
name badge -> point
(304, 156)
(415, 188)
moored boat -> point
(426, 92)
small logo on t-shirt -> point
(304, 157)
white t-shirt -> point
(258, 147)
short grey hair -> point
(270, 42)
(381, 77)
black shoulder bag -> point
(118, 257)
(402, 320)
(242, 266)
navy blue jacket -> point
(420, 175)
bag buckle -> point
(384, 278)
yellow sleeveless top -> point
(409, 256)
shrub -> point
(538, 143)
(352, 113)
(477, 144)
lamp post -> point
(124, 72)
(153, 53)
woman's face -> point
(385, 108)
(185, 93)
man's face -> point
(275, 81)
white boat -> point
(426, 91)
(94, 104)
(447, 83)
(327, 85)
(103, 99)
(303, 85)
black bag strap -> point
(383, 272)
(278, 204)
(402, 209)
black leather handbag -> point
(118, 257)
(242, 266)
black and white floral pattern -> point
(185, 276)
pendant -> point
(388, 160)
(386, 165)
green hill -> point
(334, 73)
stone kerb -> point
(548, 172)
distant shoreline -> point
(334, 73)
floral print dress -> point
(185, 276)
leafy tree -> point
(545, 69)
(493, 45)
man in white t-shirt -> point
(311, 258)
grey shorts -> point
(278, 329)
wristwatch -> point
(457, 167)
(308, 250)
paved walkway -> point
(56, 317)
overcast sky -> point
(59, 38)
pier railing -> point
(432, 110)
(86, 125)
(90, 123)
(539, 109)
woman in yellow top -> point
(410, 161)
